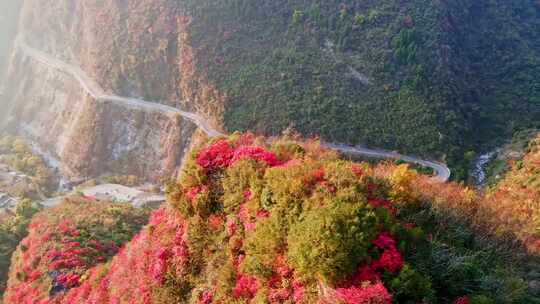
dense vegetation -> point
(250, 222)
(513, 201)
(13, 228)
(16, 153)
(287, 62)
(63, 243)
(433, 77)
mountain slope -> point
(437, 78)
(453, 74)
(64, 242)
(250, 221)
(512, 203)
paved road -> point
(94, 89)
(443, 172)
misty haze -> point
(269, 151)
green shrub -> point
(327, 244)
(412, 286)
(13, 228)
(481, 299)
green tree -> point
(330, 242)
(13, 228)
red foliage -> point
(317, 177)
(157, 217)
(255, 153)
(298, 292)
(282, 286)
(192, 192)
(159, 254)
(246, 219)
(160, 265)
(246, 139)
(216, 156)
(391, 259)
(365, 273)
(371, 294)
(314, 178)
(354, 289)
(140, 267)
(69, 280)
(380, 203)
(462, 300)
(357, 170)
(262, 214)
(231, 227)
(384, 241)
(206, 297)
(222, 154)
(215, 221)
(243, 216)
(246, 286)
(65, 260)
(376, 202)
(247, 195)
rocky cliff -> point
(133, 49)
(9, 13)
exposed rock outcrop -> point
(130, 49)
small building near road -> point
(52, 202)
(119, 193)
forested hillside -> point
(437, 77)
(513, 201)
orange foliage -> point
(513, 206)
(509, 212)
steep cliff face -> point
(9, 13)
(132, 49)
(91, 137)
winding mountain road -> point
(443, 172)
(92, 88)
